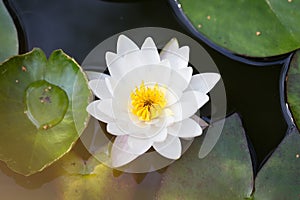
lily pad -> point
(92, 180)
(225, 173)
(252, 28)
(280, 176)
(293, 87)
(8, 35)
(42, 109)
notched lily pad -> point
(8, 35)
(225, 173)
(252, 28)
(293, 87)
(280, 176)
(42, 109)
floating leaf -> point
(42, 109)
(251, 28)
(225, 173)
(293, 87)
(93, 180)
(8, 35)
(280, 176)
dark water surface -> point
(77, 26)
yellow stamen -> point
(147, 103)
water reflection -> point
(59, 181)
(39, 186)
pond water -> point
(77, 26)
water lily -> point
(149, 98)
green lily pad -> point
(280, 176)
(225, 173)
(92, 180)
(253, 28)
(42, 109)
(8, 35)
(293, 87)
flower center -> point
(147, 102)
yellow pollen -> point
(147, 102)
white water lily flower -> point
(149, 98)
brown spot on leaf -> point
(45, 127)
(24, 69)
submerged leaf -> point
(42, 109)
(93, 180)
(8, 35)
(253, 28)
(280, 176)
(225, 173)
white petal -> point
(152, 121)
(134, 59)
(133, 79)
(196, 97)
(161, 136)
(204, 82)
(186, 73)
(178, 57)
(188, 105)
(180, 79)
(134, 145)
(137, 129)
(110, 57)
(159, 73)
(119, 154)
(112, 83)
(130, 56)
(95, 75)
(149, 52)
(137, 58)
(184, 52)
(114, 129)
(140, 130)
(100, 88)
(175, 60)
(170, 148)
(92, 108)
(109, 84)
(133, 118)
(171, 96)
(149, 44)
(105, 106)
(125, 45)
(133, 127)
(187, 128)
(166, 119)
(126, 148)
(172, 45)
(117, 66)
